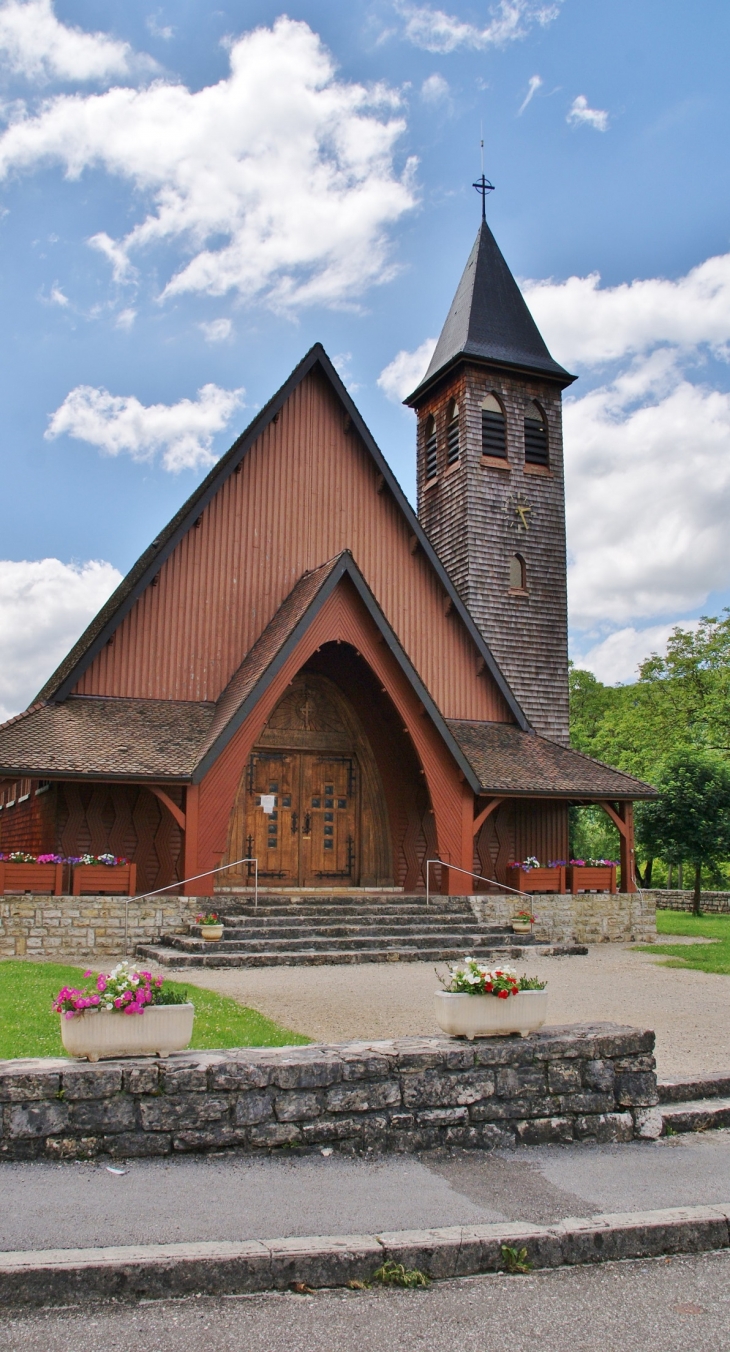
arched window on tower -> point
(536, 437)
(494, 428)
(517, 573)
(430, 448)
(452, 433)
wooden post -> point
(458, 882)
(628, 853)
(204, 887)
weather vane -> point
(482, 185)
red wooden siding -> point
(307, 490)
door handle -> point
(307, 825)
(294, 823)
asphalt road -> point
(665, 1305)
(235, 1197)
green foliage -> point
(395, 1274)
(691, 819)
(592, 834)
(714, 957)
(28, 1028)
(515, 1260)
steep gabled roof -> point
(119, 738)
(511, 762)
(489, 321)
(103, 626)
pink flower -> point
(101, 982)
(89, 973)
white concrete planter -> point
(161, 1029)
(487, 1016)
(521, 927)
(211, 933)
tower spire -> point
(482, 185)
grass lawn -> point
(29, 1028)
(713, 957)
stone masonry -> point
(578, 1083)
(715, 903)
(587, 918)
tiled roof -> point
(510, 761)
(121, 738)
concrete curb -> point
(75, 1276)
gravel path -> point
(688, 1010)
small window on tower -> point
(517, 573)
(452, 434)
(431, 450)
(494, 429)
(536, 438)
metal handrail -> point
(480, 876)
(183, 881)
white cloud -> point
(648, 483)
(437, 31)
(33, 43)
(122, 269)
(217, 330)
(586, 323)
(44, 606)
(435, 89)
(581, 115)
(291, 168)
(401, 376)
(57, 296)
(532, 88)
(182, 433)
(157, 29)
(125, 319)
(617, 658)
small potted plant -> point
(211, 926)
(522, 922)
(100, 1019)
(479, 1001)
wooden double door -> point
(301, 816)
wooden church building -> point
(302, 670)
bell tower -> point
(491, 491)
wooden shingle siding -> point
(306, 490)
(470, 516)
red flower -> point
(502, 995)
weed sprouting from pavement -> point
(515, 1260)
(395, 1274)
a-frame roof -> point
(489, 321)
(101, 629)
(178, 741)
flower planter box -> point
(584, 878)
(161, 1029)
(536, 879)
(521, 926)
(473, 1016)
(104, 879)
(211, 933)
(44, 878)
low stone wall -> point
(717, 903)
(587, 918)
(582, 1082)
(71, 929)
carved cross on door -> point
(306, 710)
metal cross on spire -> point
(482, 185)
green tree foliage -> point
(680, 702)
(691, 819)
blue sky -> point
(191, 197)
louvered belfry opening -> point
(452, 434)
(494, 428)
(431, 449)
(536, 438)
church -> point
(302, 671)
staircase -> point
(695, 1104)
(345, 928)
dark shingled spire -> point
(489, 321)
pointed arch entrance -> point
(310, 805)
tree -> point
(690, 821)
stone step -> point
(695, 1115)
(715, 1084)
(174, 957)
(237, 933)
(461, 943)
(335, 912)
